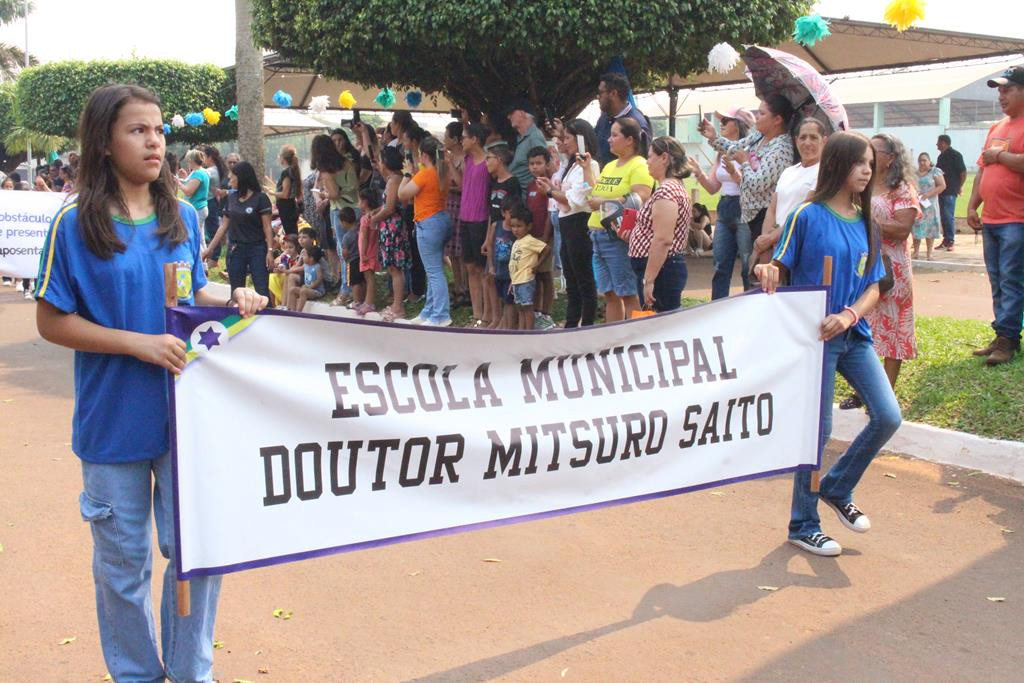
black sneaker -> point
(818, 544)
(850, 515)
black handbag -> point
(888, 280)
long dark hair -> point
(213, 154)
(247, 180)
(582, 127)
(291, 157)
(842, 151)
(324, 156)
(432, 149)
(97, 186)
(350, 153)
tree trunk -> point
(249, 89)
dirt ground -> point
(699, 587)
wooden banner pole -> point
(826, 279)
(171, 300)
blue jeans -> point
(1004, 260)
(558, 239)
(668, 285)
(612, 269)
(854, 357)
(431, 234)
(947, 214)
(116, 502)
(248, 258)
(344, 289)
(731, 237)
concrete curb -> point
(945, 446)
(947, 266)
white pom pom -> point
(177, 121)
(722, 58)
(318, 104)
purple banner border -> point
(174, 317)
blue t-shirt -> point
(350, 245)
(310, 274)
(202, 193)
(814, 231)
(121, 406)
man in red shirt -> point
(999, 188)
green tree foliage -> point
(8, 161)
(481, 53)
(50, 97)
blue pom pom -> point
(810, 29)
(194, 119)
(413, 98)
(282, 99)
(167, 129)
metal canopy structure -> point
(861, 46)
(865, 46)
(303, 85)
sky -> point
(118, 29)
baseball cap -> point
(523, 104)
(1015, 75)
(738, 113)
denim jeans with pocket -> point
(431, 235)
(117, 501)
(248, 258)
(731, 238)
(668, 285)
(1004, 260)
(947, 214)
(854, 358)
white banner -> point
(25, 218)
(297, 435)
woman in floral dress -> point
(894, 209)
(930, 184)
(393, 240)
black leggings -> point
(578, 270)
(288, 212)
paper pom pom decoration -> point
(318, 104)
(904, 13)
(212, 117)
(194, 119)
(722, 58)
(167, 129)
(385, 97)
(282, 99)
(346, 99)
(413, 98)
(810, 29)
(177, 121)
(232, 113)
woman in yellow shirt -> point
(619, 178)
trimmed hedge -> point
(51, 97)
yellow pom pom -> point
(212, 117)
(346, 100)
(904, 13)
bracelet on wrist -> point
(856, 316)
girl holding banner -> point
(102, 293)
(835, 223)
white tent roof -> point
(901, 86)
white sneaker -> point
(20, 286)
(28, 295)
(850, 515)
(443, 323)
(418, 320)
(818, 544)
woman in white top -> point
(570, 189)
(725, 176)
(795, 184)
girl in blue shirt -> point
(101, 293)
(835, 222)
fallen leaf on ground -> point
(954, 484)
(1, 547)
(263, 670)
(108, 677)
(282, 613)
(717, 493)
(996, 599)
(242, 680)
(415, 573)
(770, 589)
(565, 671)
(218, 644)
(890, 475)
(1007, 531)
(491, 559)
(973, 474)
(68, 640)
(8, 400)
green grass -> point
(945, 386)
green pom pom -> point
(809, 29)
(385, 97)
